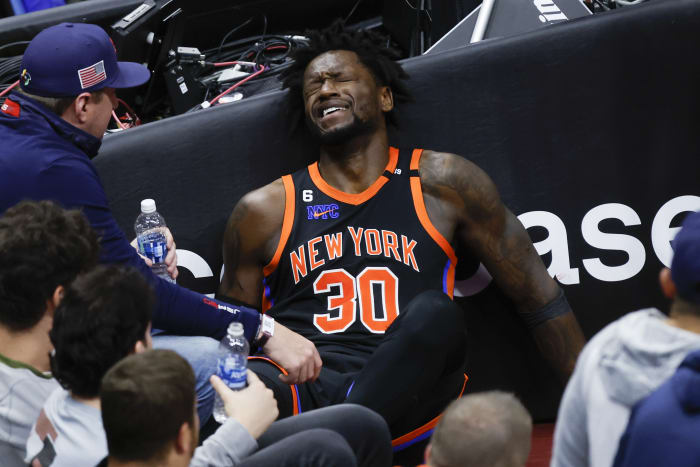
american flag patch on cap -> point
(92, 75)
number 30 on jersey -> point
(356, 297)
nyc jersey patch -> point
(322, 211)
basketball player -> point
(355, 252)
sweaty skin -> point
(461, 200)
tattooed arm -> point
(468, 206)
(250, 241)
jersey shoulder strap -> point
(287, 223)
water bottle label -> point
(231, 373)
(153, 246)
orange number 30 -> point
(350, 289)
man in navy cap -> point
(51, 128)
(628, 360)
(663, 429)
(77, 64)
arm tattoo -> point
(231, 246)
(560, 340)
(490, 230)
(498, 239)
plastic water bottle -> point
(231, 365)
(150, 236)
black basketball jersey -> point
(346, 264)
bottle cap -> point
(148, 206)
(235, 329)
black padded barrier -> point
(590, 128)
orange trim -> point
(354, 198)
(295, 399)
(451, 280)
(415, 159)
(419, 205)
(286, 224)
(428, 426)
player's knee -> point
(269, 375)
(432, 313)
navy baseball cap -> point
(70, 58)
(685, 266)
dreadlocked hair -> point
(379, 60)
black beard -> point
(341, 135)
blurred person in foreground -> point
(628, 359)
(486, 429)
(663, 429)
(42, 249)
(148, 415)
(104, 316)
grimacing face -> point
(342, 98)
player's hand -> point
(254, 407)
(171, 257)
(295, 353)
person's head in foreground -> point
(72, 69)
(148, 410)
(682, 282)
(346, 83)
(42, 249)
(105, 315)
(487, 429)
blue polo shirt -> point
(43, 157)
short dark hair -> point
(58, 105)
(102, 315)
(156, 389)
(42, 246)
(485, 429)
(380, 61)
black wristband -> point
(557, 307)
(260, 343)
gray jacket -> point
(622, 364)
(228, 446)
